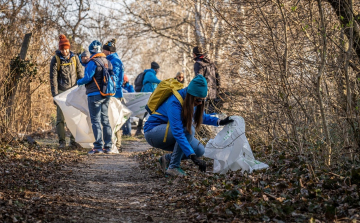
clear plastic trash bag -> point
(230, 149)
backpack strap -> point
(74, 62)
(181, 100)
(97, 61)
(57, 62)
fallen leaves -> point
(29, 176)
(292, 189)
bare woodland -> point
(290, 68)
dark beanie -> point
(154, 65)
(198, 50)
(110, 45)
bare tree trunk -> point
(200, 40)
(343, 9)
(318, 87)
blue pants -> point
(126, 128)
(155, 138)
(98, 108)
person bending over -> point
(184, 120)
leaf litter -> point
(43, 184)
(291, 190)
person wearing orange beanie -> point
(127, 86)
(65, 70)
(64, 43)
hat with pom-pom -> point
(110, 46)
(63, 42)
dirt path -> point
(113, 188)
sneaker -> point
(107, 151)
(176, 172)
(94, 151)
(164, 164)
(62, 145)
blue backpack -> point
(108, 86)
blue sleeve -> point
(119, 73)
(89, 73)
(151, 78)
(209, 120)
(177, 129)
(131, 89)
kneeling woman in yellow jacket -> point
(183, 119)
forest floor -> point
(41, 183)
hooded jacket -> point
(150, 81)
(66, 77)
(171, 111)
(205, 67)
(118, 69)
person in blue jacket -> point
(109, 49)
(184, 120)
(98, 104)
(129, 89)
(127, 86)
(150, 82)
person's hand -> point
(226, 121)
(200, 163)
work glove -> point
(225, 121)
(200, 163)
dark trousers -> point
(140, 124)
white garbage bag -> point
(230, 149)
(136, 102)
(73, 104)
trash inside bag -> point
(230, 149)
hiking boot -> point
(62, 145)
(164, 164)
(138, 133)
(120, 149)
(75, 145)
(176, 172)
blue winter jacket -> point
(129, 87)
(88, 76)
(171, 111)
(118, 69)
(150, 81)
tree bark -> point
(344, 12)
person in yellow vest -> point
(184, 115)
(65, 70)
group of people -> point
(184, 116)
